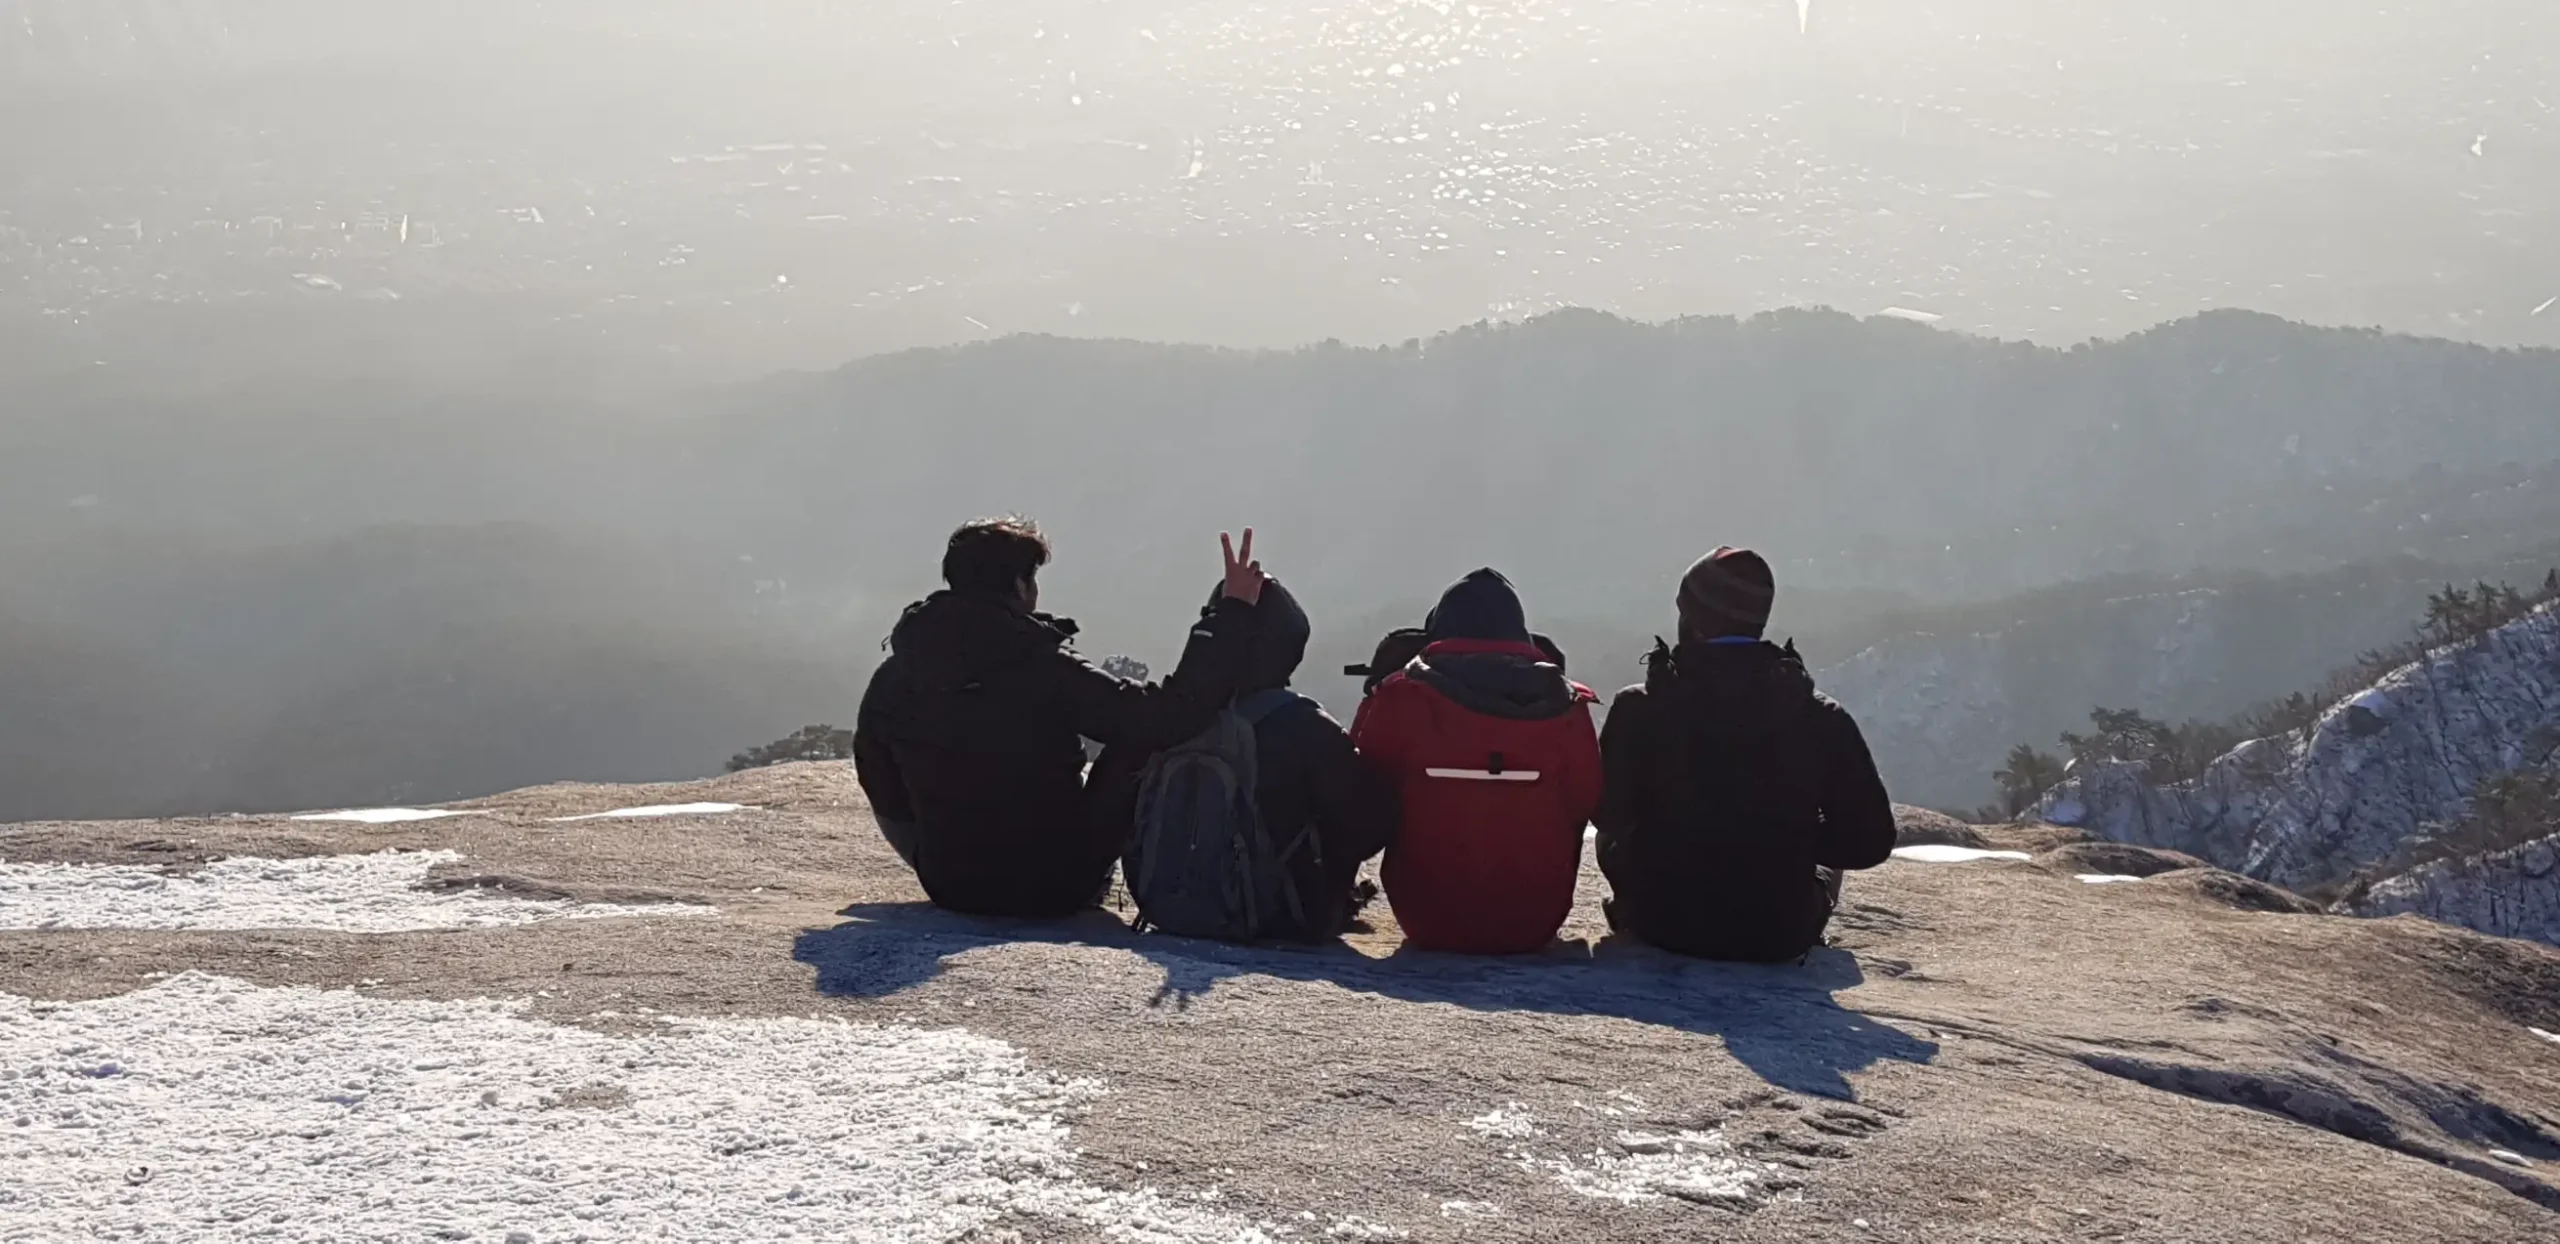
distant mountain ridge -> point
(1900, 476)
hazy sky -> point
(848, 177)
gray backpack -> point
(1199, 863)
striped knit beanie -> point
(1727, 593)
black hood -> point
(1498, 684)
(951, 640)
(1759, 676)
(1481, 606)
(1280, 631)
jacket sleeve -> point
(874, 764)
(1355, 808)
(1149, 717)
(1583, 784)
(1622, 777)
(1379, 732)
(1857, 817)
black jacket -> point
(1728, 779)
(1306, 776)
(970, 733)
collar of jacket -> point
(1484, 648)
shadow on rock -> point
(1781, 1022)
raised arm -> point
(1150, 717)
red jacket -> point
(1497, 765)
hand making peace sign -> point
(1244, 575)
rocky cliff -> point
(2378, 772)
(1943, 700)
(2509, 893)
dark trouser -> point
(902, 839)
(1750, 943)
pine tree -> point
(2026, 777)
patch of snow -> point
(2552, 1037)
(382, 816)
(375, 893)
(1470, 1209)
(1508, 1121)
(664, 809)
(2107, 878)
(1355, 1227)
(232, 1109)
(1941, 853)
(2511, 1158)
(1906, 313)
(1690, 1166)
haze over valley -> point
(405, 402)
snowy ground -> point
(1941, 853)
(356, 1118)
(377, 893)
(658, 810)
(1981, 1054)
(383, 816)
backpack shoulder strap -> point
(1261, 705)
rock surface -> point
(1987, 1051)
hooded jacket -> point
(1730, 779)
(1496, 767)
(971, 733)
(1307, 777)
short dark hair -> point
(987, 556)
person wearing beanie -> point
(1725, 597)
(1496, 768)
(1735, 793)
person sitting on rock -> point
(969, 739)
(1321, 811)
(1497, 769)
(1736, 793)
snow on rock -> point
(2377, 768)
(2106, 878)
(377, 893)
(2510, 893)
(1509, 1121)
(1701, 1167)
(663, 809)
(2552, 1037)
(1689, 1166)
(382, 816)
(1940, 853)
(1355, 1227)
(351, 1118)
